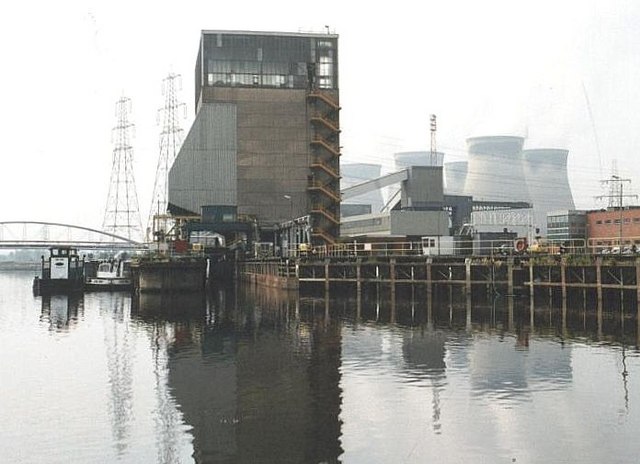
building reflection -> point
(254, 373)
(423, 352)
(61, 312)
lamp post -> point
(288, 197)
(290, 231)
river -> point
(246, 375)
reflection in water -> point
(171, 320)
(61, 312)
(257, 380)
(120, 357)
(256, 375)
(167, 418)
(423, 352)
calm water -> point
(244, 376)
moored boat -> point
(114, 274)
(61, 272)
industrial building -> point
(265, 140)
(406, 159)
(262, 158)
(567, 226)
(354, 174)
(502, 189)
(418, 211)
(499, 169)
(613, 227)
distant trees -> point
(22, 256)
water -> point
(246, 376)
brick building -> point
(613, 226)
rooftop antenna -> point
(432, 154)
(122, 215)
(171, 138)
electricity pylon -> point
(170, 143)
(122, 215)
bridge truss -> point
(38, 234)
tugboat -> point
(62, 272)
(111, 275)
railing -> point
(488, 248)
(323, 187)
(317, 163)
(326, 145)
(318, 232)
(332, 125)
(326, 213)
(325, 98)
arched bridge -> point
(39, 234)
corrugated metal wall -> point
(205, 172)
(273, 151)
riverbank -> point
(19, 266)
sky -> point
(562, 73)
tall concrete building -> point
(265, 139)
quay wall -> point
(169, 275)
(270, 273)
(507, 276)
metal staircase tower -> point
(324, 180)
(171, 138)
(122, 215)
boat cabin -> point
(63, 270)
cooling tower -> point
(495, 171)
(545, 170)
(356, 173)
(455, 175)
(407, 159)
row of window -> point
(256, 80)
(636, 220)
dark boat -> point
(62, 272)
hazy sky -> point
(485, 68)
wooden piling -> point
(531, 289)
(429, 281)
(563, 279)
(392, 275)
(599, 280)
(358, 288)
(326, 276)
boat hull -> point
(96, 284)
(56, 286)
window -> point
(599, 221)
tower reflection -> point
(254, 373)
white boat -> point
(111, 275)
